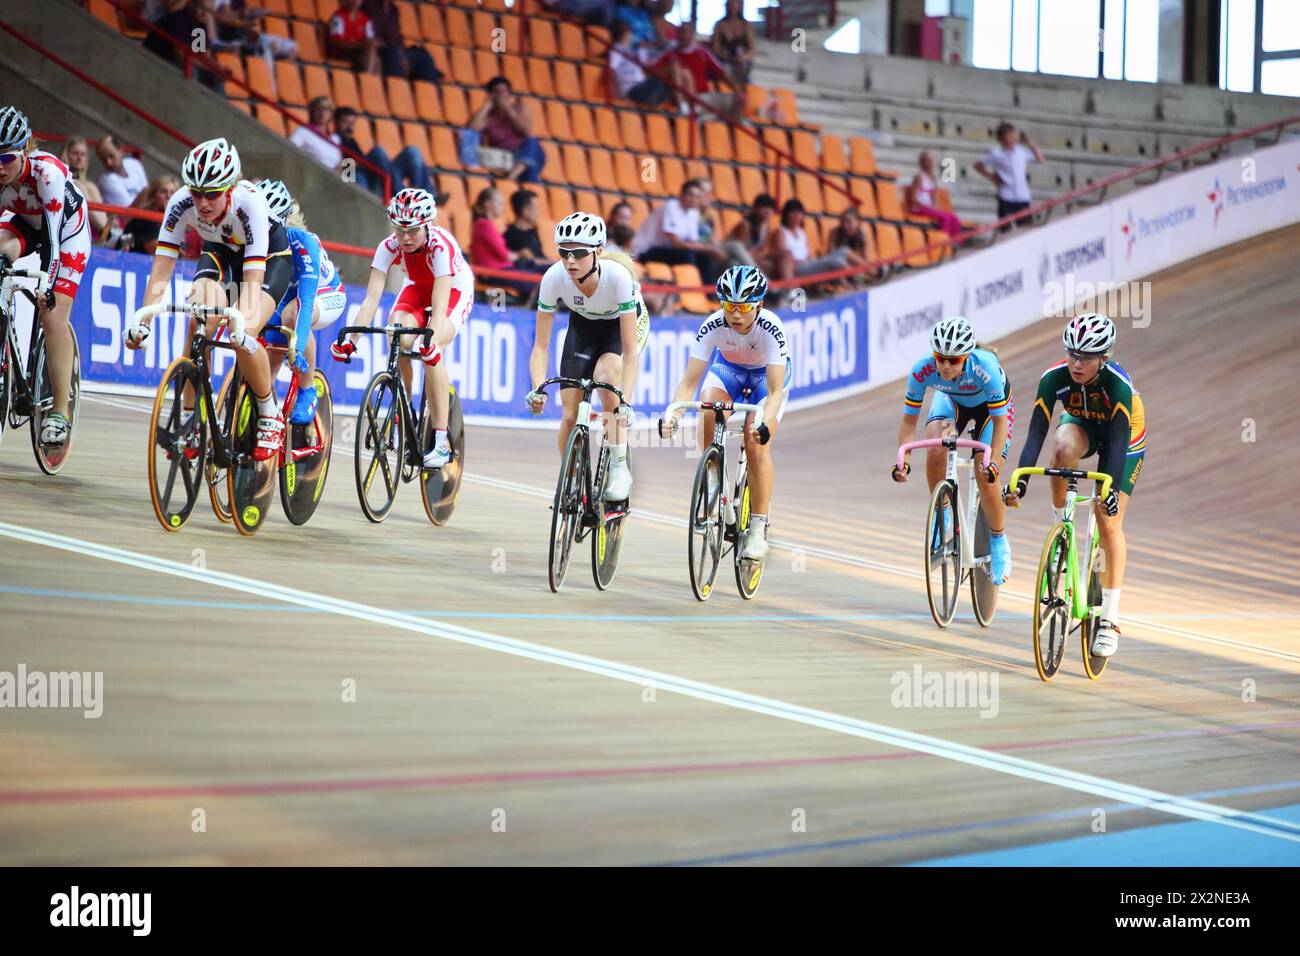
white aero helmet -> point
(14, 128)
(1091, 333)
(211, 165)
(953, 336)
(580, 229)
(278, 201)
(412, 207)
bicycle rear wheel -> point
(251, 482)
(983, 592)
(942, 554)
(1092, 664)
(51, 458)
(6, 377)
(607, 540)
(381, 445)
(749, 573)
(567, 508)
(704, 524)
(1052, 603)
(218, 485)
(441, 486)
(303, 481)
(178, 444)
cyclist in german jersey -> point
(315, 297)
(752, 366)
(42, 211)
(245, 262)
(439, 280)
(971, 389)
(608, 327)
(1103, 416)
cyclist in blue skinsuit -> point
(972, 390)
(313, 300)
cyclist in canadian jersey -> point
(1103, 416)
(245, 262)
(752, 366)
(971, 390)
(314, 300)
(438, 279)
(42, 211)
(608, 327)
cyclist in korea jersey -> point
(438, 294)
(245, 263)
(1103, 416)
(971, 389)
(314, 300)
(752, 366)
(608, 327)
(42, 211)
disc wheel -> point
(705, 524)
(380, 448)
(1092, 664)
(303, 481)
(1052, 603)
(441, 486)
(942, 554)
(567, 507)
(983, 592)
(251, 482)
(51, 458)
(178, 445)
(218, 485)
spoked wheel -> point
(178, 445)
(1052, 603)
(303, 480)
(251, 482)
(983, 592)
(442, 485)
(51, 458)
(748, 572)
(943, 554)
(704, 526)
(607, 539)
(1092, 664)
(381, 447)
(218, 484)
(567, 508)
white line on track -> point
(839, 557)
(739, 700)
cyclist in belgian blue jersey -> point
(971, 389)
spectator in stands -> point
(76, 156)
(921, 198)
(733, 42)
(618, 225)
(692, 67)
(504, 121)
(487, 246)
(397, 58)
(141, 235)
(522, 238)
(849, 234)
(630, 80)
(405, 169)
(791, 252)
(671, 234)
(240, 24)
(619, 215)
(351, 37)
(640, 16)
(1007, 167)
(176, 22)
(597, 12)
(314, 137)
(748, 240)
(123, 177)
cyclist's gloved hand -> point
(668, 426)
(535, 401)
(47, 300)
(1017, 493)
(1111, 503)
(991, 472)
(342, 351)
(429, 351)
(135, 336)
(900, 475)
(300, 361)
(624, 414)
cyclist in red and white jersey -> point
(438, 279)
(42, 211)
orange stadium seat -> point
(594, 86)
(640, 209)
(717, 140)
(409, 21)
(862, 156)
(699, 302)
(755, 97)
(454, 186)
(496, 6)
(887, 242)
(307, 36)
(475, 185)
(537, 110)
(836, 201)
(658, 133)
(400, 101)
(803, 145)
(440, 60)
(572, 44)
(560, 199)
(575, 164)
(515, 70)
(601, 162)
(833, 154)
(417, 135)
(388, 137)
(809, 192)
(725, 186)
(269, 117)
(514, 42)
(258, 72)
(487, 67)
(865, 194)
(370, 87)
(553, 170)
(234, 65)
(751, 184)
(597, 43)
(454, 108)
(541, 38)
(728, 218)
(748, 149)
(607, 130)
(649, 172)
(582, 124)
(776, 137)
(443, 142)
(697, 169)
(587, 200)
(365, 135)
(428, 104)
(462, 65)
(914, 243)
(631, 132)
(345, 89)
(568, 83)
(316, 81)
(276, 27)
(326, 9)
(304, 10)
(456, 22)
(432, 29)
(539, 77)
(672, 173)
(888, 203)
(482, 25)
(557, 118)
(289, 81)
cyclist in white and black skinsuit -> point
(608, 325)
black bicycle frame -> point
(395, 350)
(10, 335)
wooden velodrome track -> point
(497, 723)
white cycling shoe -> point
(618, 483)
(1106, 641)
(754, 547)
(437, 458)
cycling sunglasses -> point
(744, 308)
(209, 193)
(1080, 356)
(7, 158)
(576, 254)
(949, 359)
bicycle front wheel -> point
(611, 528)
(568, 506)
(749, 573)
(441, 486)
(1052, 603)
(178, 444)
(51, 458)
(704, 524)
(983, 592)
(218, 485)
(1092, 664)
(943, 554)
(381, 443)
(251, 482)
